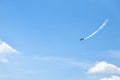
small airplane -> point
(81, 39)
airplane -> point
(81, 39)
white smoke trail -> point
(97, 29)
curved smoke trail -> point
(102, 26)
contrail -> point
(102, 26)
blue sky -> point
(40, 40)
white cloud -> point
(111, 78)
(5, 49)
(104, 67)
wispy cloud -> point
(4, 60)
(114, 54)
(60, 60)
(111, 78)
(5, 49)
(104, 67)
